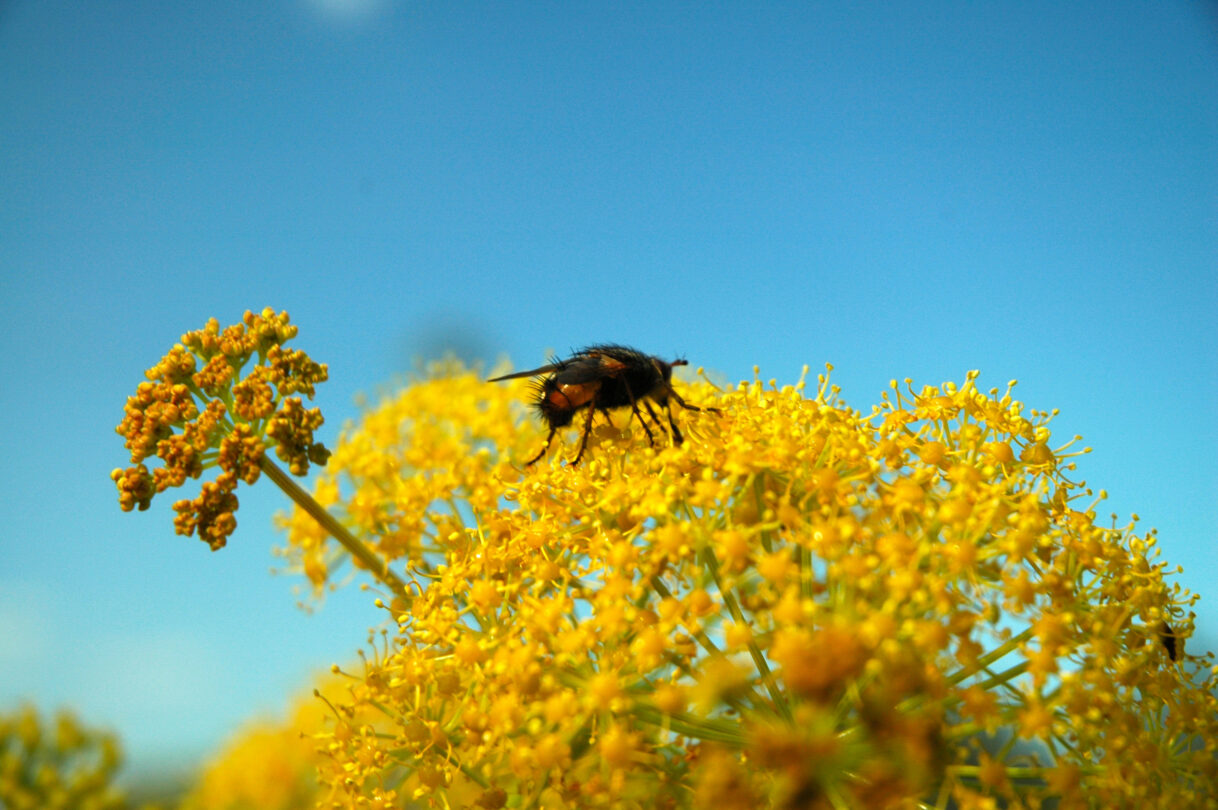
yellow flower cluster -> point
(267, 766)
(196, 411)
(270, 765)
(801, 606)
(62, 767)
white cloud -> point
(158, 676)
(349, 11)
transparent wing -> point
(546, 369)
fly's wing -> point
(546, 369)
(588, 366)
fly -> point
(599, 378)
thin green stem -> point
(983, 661)
(763, 667)
(1004, 677)
(972, 773)
(688, 725)
(357, 549)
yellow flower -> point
(803, 604)
(618, 746)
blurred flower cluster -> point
(270, 764)
(58, 766)
(802, 606)
(202, 408)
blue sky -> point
(901, 189)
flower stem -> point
(759, 661)
(357, 549)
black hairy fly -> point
(599, 378)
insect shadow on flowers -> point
(599, 378)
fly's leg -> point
(677, 438)
(634, 408)
(686, 405)
(583, 440)
(549, 439)
(667, 403)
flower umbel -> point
(60, 766)
(203, 408)
(801, 606)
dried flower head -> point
(206, 406)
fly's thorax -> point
(642, 380)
